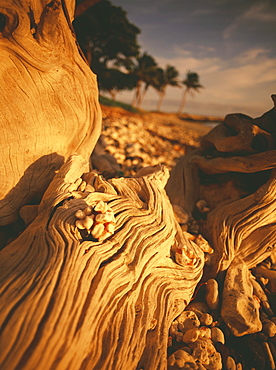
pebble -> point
(187, 320)
(212, 294)
(269, 327)
(178, 359)
(261, 337)
(269, 356)
(230, 363)
(206, 319)
(191, 335)
(135, 145)
(217, 335)
(205, 352)
(129, 140)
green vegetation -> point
(114, 103)
(109, 42)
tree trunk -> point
(137, 93)
(49, 107)
(142, 96)
(183, 101)
(113, 94)
(160, 100)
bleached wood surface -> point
(72, 303)
(49, 106)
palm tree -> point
(142, 70)
(192, 84)
(151, 78)
(168, 77)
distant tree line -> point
(109, 42)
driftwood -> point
(74, 298)
(239, 188)
(226, 190)
(77, 303)
(49, 107)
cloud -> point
(185, 49)
(246, 80)
(257, 13)
(230, 44)
(251, 55)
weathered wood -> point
(233, 205)
(248, 164)
(75, 303)
(242, 218)
(245, 228)
(49, 106)
(70, 301)
(237, 134)
(183, 184)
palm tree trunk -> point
(134, 98)
(113, 94)
(137, 94)
(183, 101)
(142, 96)
(161, 98)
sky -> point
(231, 44)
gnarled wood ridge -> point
(102, 268)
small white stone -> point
(110, 227)
(97, 231)
(79, 225)
(101, 207)
(269, 327)
(80, 214)
(104, 217)
(173, 328)
(230, 363)
(191, 335)
(88, 211)
(82, 186)
(179, 359)
(178, 336)
(88, 222)
(212, 294)
(217, 335)
(206, 319)
(205, 332)
(187, 320)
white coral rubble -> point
(99, 221)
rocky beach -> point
(138, 140)
(131, 143)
